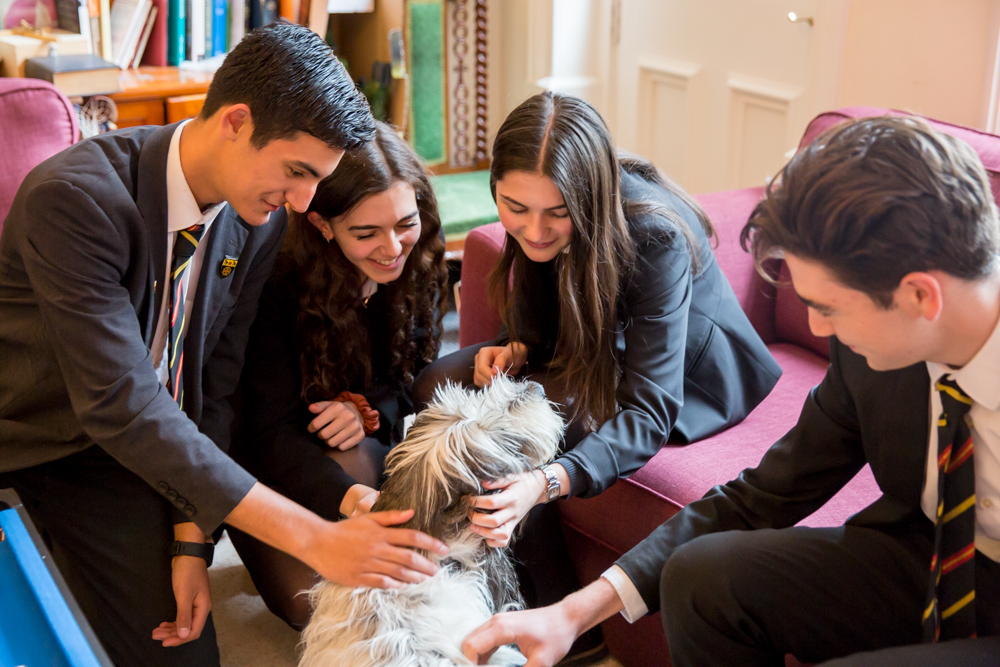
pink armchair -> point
(36, 122)
(600, 529)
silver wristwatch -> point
(551, 483)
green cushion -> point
(425, 43)
(464, 201)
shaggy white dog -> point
(462, 439)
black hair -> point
(292, 82)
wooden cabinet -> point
(160, 95)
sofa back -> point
(790, 315)
(38, 122)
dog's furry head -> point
(464, 438)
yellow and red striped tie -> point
(184, 247)
(951, 609)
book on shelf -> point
(176, 31)
(105, 18)
(220, 25)
(156, 47)
(196, 29)
(237, 22)
(144, 38)
(262, 12)
(79, 75)
(128, 18)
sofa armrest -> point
(479, 320)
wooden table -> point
(160, 95)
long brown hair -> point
(565, 139)
(335, 346)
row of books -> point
(154, 32)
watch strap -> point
(197, 549)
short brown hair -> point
(877, 198)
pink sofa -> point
(36, 122)
(601, 529)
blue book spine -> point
(176, 30)
(220, 27)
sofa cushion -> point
(38, 122)
(678, 475)
(728, 212)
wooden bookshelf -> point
(160, 95)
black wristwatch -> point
(198, 549)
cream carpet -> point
(249, 635)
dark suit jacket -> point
(82, 247)
(691, 362)
(854, 416)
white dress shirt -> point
(182, 212)
(980, 380)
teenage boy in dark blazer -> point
(891, 235)
(114, 416)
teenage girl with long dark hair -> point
(611, 298)
(351, 313)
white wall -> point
(932, 57)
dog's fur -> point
(462, 439)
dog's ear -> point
(524, 416)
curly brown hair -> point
(334, 342)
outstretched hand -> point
(189, 575)
(543, 635)
(366, 551)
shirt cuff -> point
(635, 608)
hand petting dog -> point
(506, 509)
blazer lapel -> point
(151, 198)
(226, 238)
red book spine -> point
(156, 48)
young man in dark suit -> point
(891, 235)
(130, 268)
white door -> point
(716, 92)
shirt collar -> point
(980, 378)
(182, 207)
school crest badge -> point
(228, 265)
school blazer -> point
(691, 363)
(854, 416)
(82, 266)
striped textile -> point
(184, 247)
(950, 612)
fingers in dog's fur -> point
(462, 439)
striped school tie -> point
(184, 247)
(951, 610)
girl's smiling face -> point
(533, 211)
(378, 234)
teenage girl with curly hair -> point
(351, 313)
